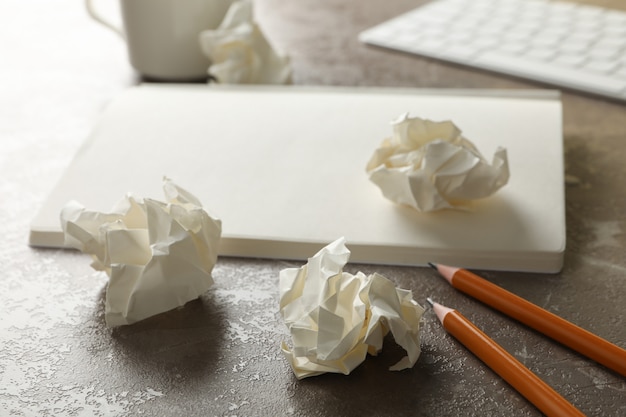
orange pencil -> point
(501, 362)
(559, 329)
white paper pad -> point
(284, 169)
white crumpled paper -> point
(158, 255)
(336, 318)
(239, 52)
(430, 166)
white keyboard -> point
(563, 44)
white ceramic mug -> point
(162, 35)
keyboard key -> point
(456, 52)
(616, 19)
(603, 53)
(571, 47)
(621, 73)
(513, 48)
(601, 66)
(484, 42)
(583, 36)
(570, 60)
(550, 73)
(430, 47)
(616, 43)
(540, 54)
(589, 12)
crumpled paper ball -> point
(240, 53)
(335, 318)
(158, 255)
(430, 166)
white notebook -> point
(284, 168)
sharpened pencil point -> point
(430, 301)
(432, 265)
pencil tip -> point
(432, 265)
(430, 301)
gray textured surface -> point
(219, 355)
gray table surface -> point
(219, 355)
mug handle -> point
(95, 16)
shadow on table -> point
(372, 390)
(184, 341)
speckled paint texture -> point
(220, 355)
